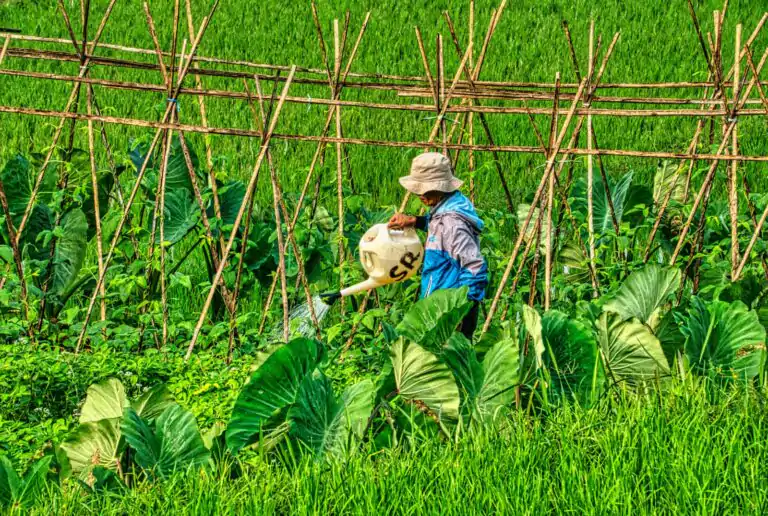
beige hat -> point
(431, 171)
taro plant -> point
(288, 399)
(19, 492)
(151, 435)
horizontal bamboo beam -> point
(508, 110)
(521, 149)
(23, 52)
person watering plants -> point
(452, 257)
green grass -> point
(678, 452)
(657, 43)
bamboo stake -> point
(441, 92)
(57, 133)
(161, 218)
(590, 165)
(753, 69)
(339, 167)
(421, 107)
(733, 196)
(729, 126)
(286, 217)
(4, 50)
(470, 76)
(96, 207)
(471, 123)
(238, 219)
(140, 176)
(550, 199)
(318, 153)
(536, 198)
(413, 79)
(204, 120)
(281, 257)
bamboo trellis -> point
(725, 97)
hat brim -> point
(421, 187)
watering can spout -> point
(387, 256)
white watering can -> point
(388, 256)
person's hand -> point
(401, 221)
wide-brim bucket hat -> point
(431, 172)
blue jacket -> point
(452, 256)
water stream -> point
(300, 320)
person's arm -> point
(402, 221)
(463, 247)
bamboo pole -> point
(729, 126)
(470, 74)
(204, 120)
(96, 207)
(590, 161)
(550, 200)
(57, 133)
(238, 219)
(323, 140)
(536, 198)
(339, 167)
(140, 176)
(261, 121)
(616, 112)
(318, 153)
(229, 302)
(414, 79)
(733, 196)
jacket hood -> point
(459, 204)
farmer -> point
(452, 258)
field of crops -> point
(633, 381)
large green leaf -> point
(153, 402)
(432, 320)
(317, 416)
(10, 482)
(175, 443)
(462, 359)
(40, 219)
(488, 385)
(358, 402)
(34, 482)
(181, 215)
(70, 251)
(571, 354)
(273, 387)
(632, 354)
(177, 174)
(530, 231)
(18, 491)
(424, 381)
(231, 197)
(104, 400)
(533, 360)
(669, 177)
(644, 293)
(601, 208)
(501, 373)
(17, 180)
(723, 339)
(93, 444)
(326, 424)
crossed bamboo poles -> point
(471, 91)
